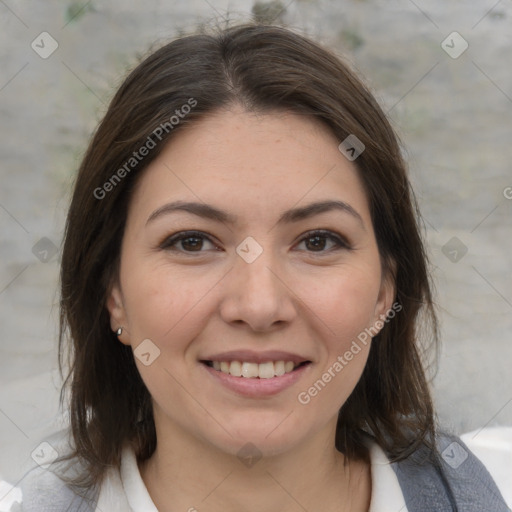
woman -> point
(246, 294)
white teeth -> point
(279, 368)
(266, 370)
(248, 370)
(235, 369)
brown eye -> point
(323, 241)
(191, 241)
(316, 243)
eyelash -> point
(340, 242)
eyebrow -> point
(289, 216)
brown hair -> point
(263, 68)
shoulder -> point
(42, 490)
(44, 487)
(451, 479)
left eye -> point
(322, 241)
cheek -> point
(160, 303)
(343, 306)
(345, 302)
(170, 309)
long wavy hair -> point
(264, 69)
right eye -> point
(187, 242)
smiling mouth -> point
(267, 370)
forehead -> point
(242, 161)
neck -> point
(185, 473)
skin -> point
(299, 297)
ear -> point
(118, 317)
(386, 296)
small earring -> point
(119, 331)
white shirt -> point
(125, 491)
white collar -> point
(387, 495)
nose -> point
(256, 295)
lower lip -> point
(255, 387)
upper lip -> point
(256, 357)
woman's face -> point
(249, 248)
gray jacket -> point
(455, 482)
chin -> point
(260, 438)
(252, 448)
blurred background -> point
(441, 70)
